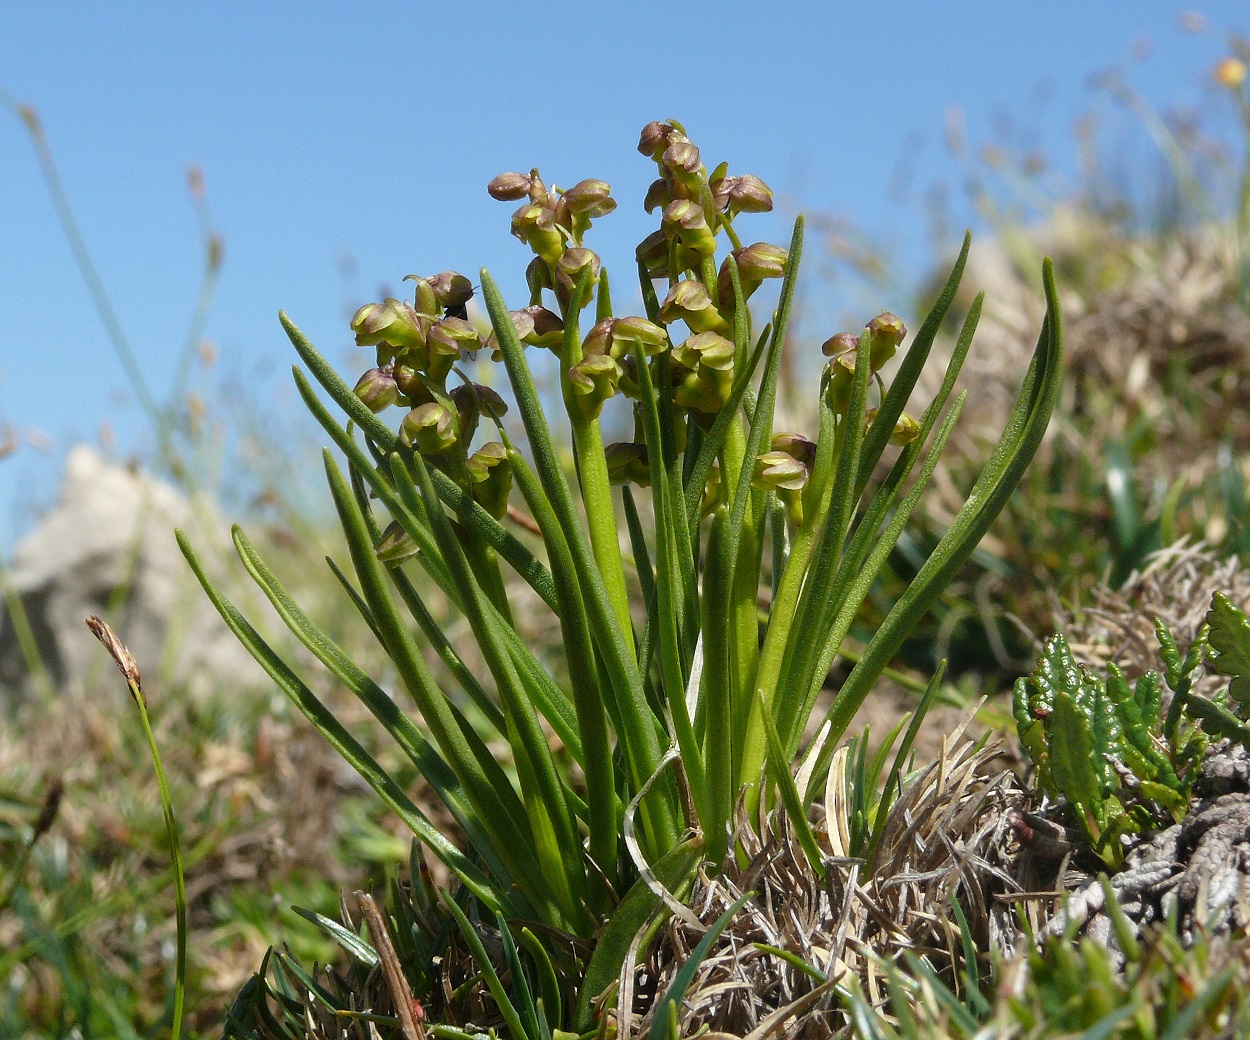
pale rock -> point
(108, 548)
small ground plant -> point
(691, 660)
(1124, 764)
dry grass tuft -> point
(946, 842)
(1175, 586)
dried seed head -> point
(120, 653)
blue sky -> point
(344, 146)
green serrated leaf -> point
(1230, 638)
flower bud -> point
(886, 331)
(535, 225)
(688, 301)
(590, 198)
(599, 339)
(535, 326)
(426, 303)
(485, 399)
(780, 472)
(472, 400)
(430, 428)
(627, 463)
(391, 322)
(745, 194)
(839, 379)
(447, 340)
(491, 473)
(840, 344)
(655, 138)
(797, 447)
(509, 187)
(411, 384)
(708, 350)
(452, 291)
(377, 388)
(685, 223)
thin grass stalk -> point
(381, 438)
(716, 696)
(551, 820)
(437, 773)
(592, 719)
(501, 811)
(674, 673)
(391, 794)
(640, 732)
(1023, 433)
(592, 470)
(130, 672)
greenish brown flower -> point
(473, 400)
(703, 372)
(744, 194)
(570, 267)
(430, 428)
(377, 388)
(395, 544)
(779, 471)
(655, 138)
(681, 161)
(392, 323)
(447, 340)
(593, 380)
(755, 263)
(491, 472)
(627, 463)
(652, 253)
(659, 195)
(840, 344)
(886, 331)
(590, 198)
(688, 301)
(786, 470)
(632, 332)
(839, 379)
(510, 187)
(685, 223)
(453, 291)
(536, 224)
(906, 428)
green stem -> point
(175, 854)
(592, 474)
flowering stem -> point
(592, 476)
